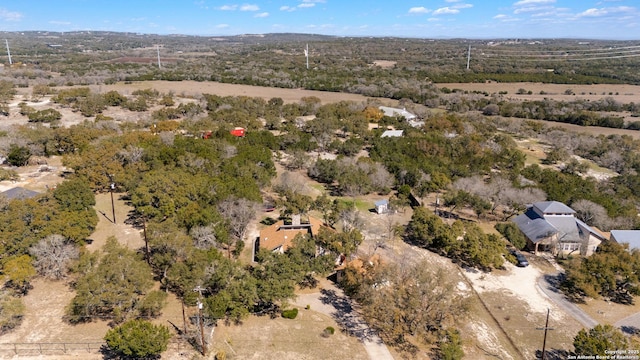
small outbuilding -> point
(392, 133)
(381, 206)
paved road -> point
(558, 297)
(630, 324)
(331, 301)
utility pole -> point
(8, 51)
(468, 56)
(545, 328)
(306, 55)
(146, 241)
(200, 289)
(159, 63)
(113, 207)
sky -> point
(474, 19)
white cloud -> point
(533, 2)
(287, 8)
(593, 12)
(500, 16)
(445, 10)
(462, 6)
(249, 7)
(10, 15)
(306, 5)
(222, 26)
(228, 7)
(452, 1)
(261, 15)
(532, 9)
(419, 10)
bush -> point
(328, 331)
(290, 314)
(510, 231)
(138, 339)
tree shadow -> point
(553, 354)
(631, 330)
(347, 317)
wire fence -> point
(53, 348)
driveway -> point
(548, 286)
(333, 302)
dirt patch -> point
(125, 233)
(300, 338)
(539, 91)
(196, 89)
(385, 64)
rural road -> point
(331, 301)
(558, 297)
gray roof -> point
(631, 237)
(553, 207)
(534, 227)
(392, 133)
(568, 228)
(381, 202)
(391, 112)
(19, 193)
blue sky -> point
(601, 19)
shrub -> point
(138, 339)
(328, 331)
(290, 314)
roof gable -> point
(553, 207)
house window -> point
(569, 246)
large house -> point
(552, 226)
(412, 119)
(279, 236)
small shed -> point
(392, 133)
(381, 206)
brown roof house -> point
(279, 236)
(552, 226)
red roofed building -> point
(279, 236)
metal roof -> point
(392, 133)
(631, 237)
(553, 207)
(534, 228)
(20, 193)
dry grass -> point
(301, 338)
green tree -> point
(111, 286)
(18, 271)
(138, 339)
(599, 339)
(12, 310)
(18, 155)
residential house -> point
(412, 119)
(552, 226)
(279, 236)
(631, 237)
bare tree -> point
(204, 237)
(591, 213)
(53, 255)
(238, 212)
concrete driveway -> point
(548, 286)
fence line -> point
(50, 348)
